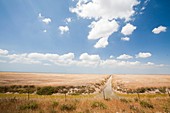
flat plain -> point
(138, 81)
(46, 79)
(89, 103)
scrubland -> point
(22, 93)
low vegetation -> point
(46, 104)
(68, 107)
(146, 104)
(30, 105)
(98, 105)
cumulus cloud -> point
(85, 60)
(44, 19)
(150, 63)
(110, 9)
(105, 12)
(111, 56)
(128, 29)
(102, 28)
(143, 55)
(22, 58)
(63, 29)
(68, 20)
(125, 39)
(87, 57)
(102, 43)
(124, 57)
(3, 52)
(39, 58)
(159, 29)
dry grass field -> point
(89, 103)
(133, 82)
(44, 79)
(136, 81)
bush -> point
(162, 89)
(48, 90)
(55, 104)
(136, 99)
(141, 90)
(31, 105)
(124, 100)
(68, 107)
(98, 105)
(146, 104)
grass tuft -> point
(98, 105)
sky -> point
(85, 36)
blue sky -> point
(85, 36)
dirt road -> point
(107, 92)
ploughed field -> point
(141, 83)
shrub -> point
(136, 99)
(141, 90)
(68, 107)
(124, 100)
(31, 105)
(162, 89)
(98, 105)
(146, 104)
(55, 104)
(4, 89)
(48, 90)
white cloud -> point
(68, 20)
(43, 19)
(44, 30)
(143, 55)
(40, 15)
(87, 57)
(3, 61)
(22, 58)
(88, 60)
(111, 56)
(3, 52)
(85, 61)
(46, 20)
(128, 29)
(102, 43)
(102, 28)
(124, 57)
(109, 9)
(63, 29)
(150, 63)
(159, 29)
(125, 38)
(105, 12)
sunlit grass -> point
(140, 95)
(35, 96)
